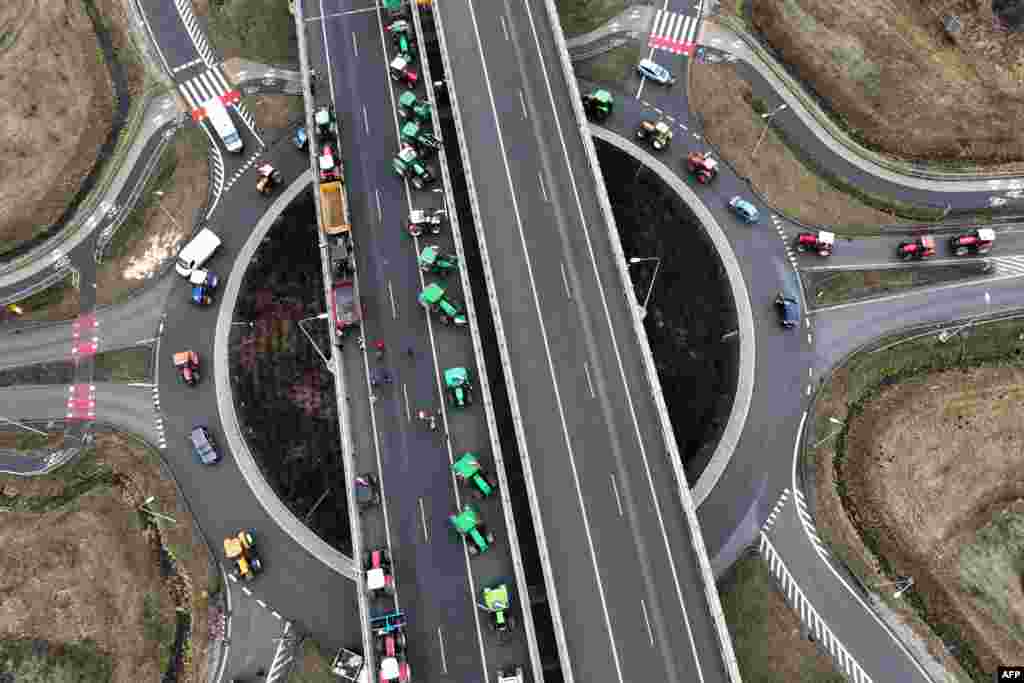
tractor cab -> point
(378, 572)
(496, 601)
(433, 260)
(203, 284)
(406, 164)
(468, 472)
(324, 119)
(394, 9)
(658, 132)
(433, 298)
(241, 549)
(702, 167)
(821, 242)
(420, 219)
(187, 363)
(389, 635)
(330, 169)
(267, 178)
(976, 242)
(458, 383)
(367, 491)
(598, 104)
(921, 248)
(411, 107)
(425, 143)
(401, 71)
(468, 524)
(400, 38)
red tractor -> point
(702, 166)
(821, 242)
(920, 248)
(976, 242)
(187, 363)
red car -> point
(921, 248)
(345, 304)
(330, 168)
(977, 242)
(187, 363)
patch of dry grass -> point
(275, 111)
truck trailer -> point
(219, 117)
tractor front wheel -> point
(473, 550)
(962, 251)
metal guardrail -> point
(517, 420)
(478, 352)
(344, 423)
(840, 135)
(583, 128)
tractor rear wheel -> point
(473, 550)
(962, 251)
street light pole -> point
(650, 289)
(322, 316)
(768, 122)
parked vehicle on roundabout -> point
(458, 384)
(657, 132)
(203, 282)
(821, 242)
(470, 474)
(598, 104)
(187, 363)
(917, 249)
(467, 523)
(743, 209)
(976, 242)
(648, 68)
(702, 167)
(241, 550)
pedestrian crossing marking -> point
(207, 85)
(673, 32)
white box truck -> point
(218, 115)
(197, 252)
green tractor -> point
(496, 601)
(401, 39)
(469, 473)
(469, 525)
(433, 299)
(411, 107)
(598, 104)
(407, 164)
(433, 260)
(458, 384)
(394, 9)
(426, 144)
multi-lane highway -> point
(623, 580)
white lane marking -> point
(543, 190)
(246, 590)
(394, 306)
(551, 366)
(423, 519)
(444, 660)
(522, 103)
(405, 393)
(355, 45)
(615, 490)
(334, 15)
(366, 120)
(650, 633)
(565, 281)
(670, 555)
(327, 54)
(590, 382)
(276, 615)
(504, 27)
(804, 522)
(146, 341)
(261, 603)
(380, 214)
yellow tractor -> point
(241, 549)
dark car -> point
(789, 310)
(203, 446)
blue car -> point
(746, 211)
(300, 139)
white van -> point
(218, 115)
(196, 252)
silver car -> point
(648, 68)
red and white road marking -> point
(207, 85)
(673, 32)
(84, 336)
